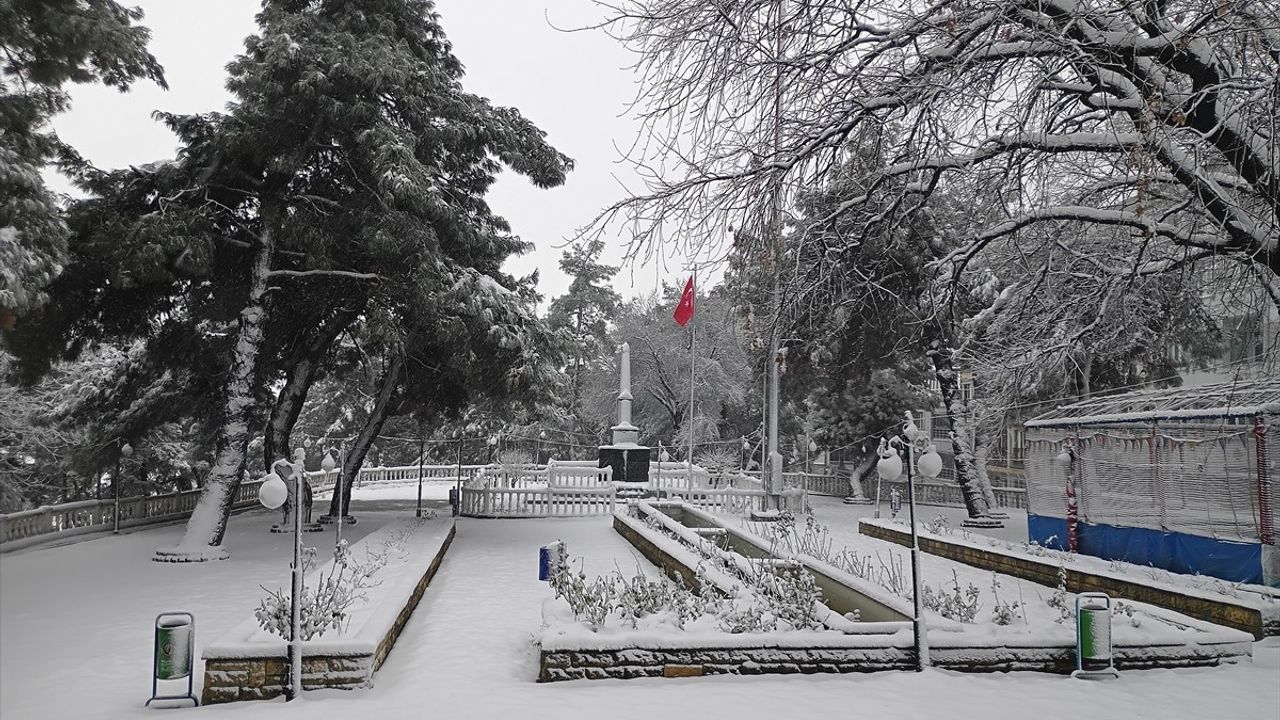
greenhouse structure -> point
(1182, 478)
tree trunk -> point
(577, 366)
(208, 522)
(860, 471)
(301, 375)
(389, 384)
(970, 473)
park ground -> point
(75, 640)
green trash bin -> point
(173, 646)
(173, 654)
(1093, 635)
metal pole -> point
(422, 449)
(659, 484)
(458, 479)
(115, 491)
(917, 621)
(772, 484)
(295, 595)
(342, 509)
(693, 344)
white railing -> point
(813, 483)
(322, 481)
(675, 475)
(585, 476)
(29, 527)
(498, 502)
(947, 494)
(740, 501)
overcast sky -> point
(574, 86)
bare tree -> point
(1064, 111)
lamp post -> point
(746, 448)
(422, 451)
(537, 453)
(327, 465)
(272, 494)
(1067, 459)
(889, 468)
(126, 450)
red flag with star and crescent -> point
(684, 310)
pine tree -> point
(585, 312)
(351, 169)
(45, 45)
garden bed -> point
(699, 551)
(248, 663)
(1252, 608)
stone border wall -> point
(1221, 612)
(262, 678)
(624, 664)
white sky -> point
(574, 86)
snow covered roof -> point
(1241, 398)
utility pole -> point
(773, 480)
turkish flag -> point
(684, 310)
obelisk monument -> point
(629, 459)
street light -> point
(1067, 459)
(328, 464)
(889, 468)
(537, 453)
(272, 494)
(126, 450)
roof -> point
(1202, 402)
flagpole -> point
(693, 340)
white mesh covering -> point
(1195, 478)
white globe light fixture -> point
(328, 463)
(272, 493)
(909, 428)
(930, 463)
(126, 450)
(1064, 457)
(889, 466)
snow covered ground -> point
(75, 642)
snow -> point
(369, 619)
(76, 628)
(1261, 597)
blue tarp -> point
(1177, 552)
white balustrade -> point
(28, 526)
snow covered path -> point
(75, 643)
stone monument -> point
(629, 459)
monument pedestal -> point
(630, 462)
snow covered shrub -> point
(939, 525)
(1004, 613)
(751, 619)
(641, 596)
(325, 606)
(959, 605)
(792, 597)
(1061, 600)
